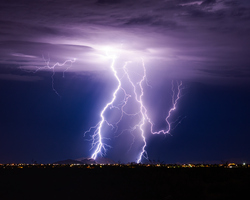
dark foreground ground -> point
(124, 183)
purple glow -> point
(138, 92)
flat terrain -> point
(109, 182)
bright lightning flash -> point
(98, 134)
(97, 138)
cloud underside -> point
(206, 38)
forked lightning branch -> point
(99, 146)
(97, 132)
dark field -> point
(111, 182)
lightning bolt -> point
(144, 116)
(97, 138)
(53, 67)
(142, 107)
(138, 90)
(175, 99)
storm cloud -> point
(196, 39)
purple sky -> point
(205, 44)
(191, 39)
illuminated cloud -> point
(191, 38)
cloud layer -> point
(193, 39)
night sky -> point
(204, 44)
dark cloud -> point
(154, 20)
(141, 20)
(202, 32)
(109, 1)
(208, 2)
